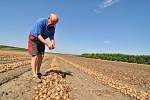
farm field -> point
(75, 50)
(67, 77)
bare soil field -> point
(68, 77)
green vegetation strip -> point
(140, 59)
(3, 47)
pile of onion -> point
(53, 87)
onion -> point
(57, 97)
(49, 93)
(36, 88)
(37, 92)
(45, 91)
(36, 98)
(58, 89)
(39, 85)
(40, 94)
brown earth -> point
(90, 79)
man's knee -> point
(40, 56)
(34, 57)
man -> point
(43, 28)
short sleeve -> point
(37, 28)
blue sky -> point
(85, 26)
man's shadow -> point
(59, 72)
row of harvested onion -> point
(12, 66)
(126, 89)
(13, 58)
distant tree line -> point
(140, 59)
(4, 47)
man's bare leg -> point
(39, 62)
(34, 69)
(33, 64)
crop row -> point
(12, 66)
(114, 83)
(13, 58)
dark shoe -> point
(39, 75)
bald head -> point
(52, 19)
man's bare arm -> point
(42, 40)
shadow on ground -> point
(59, 72)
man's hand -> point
(51, 45)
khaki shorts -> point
(35, 47)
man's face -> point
(51, 22)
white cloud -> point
(105, 4)
(107, 42)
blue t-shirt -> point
(41, 28)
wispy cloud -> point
(107, 42)
(105, 4)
